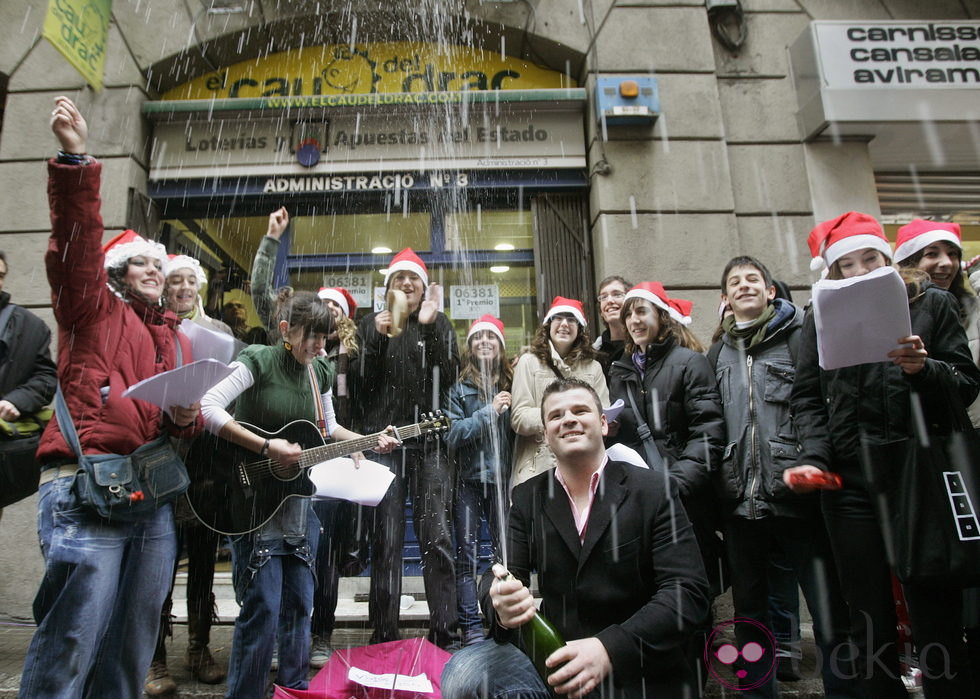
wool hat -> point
(919, 234)
(339, 296)
(562, 305)
(175, 262)
(487, 322)
(850, 232)
(407, 261)
(128, 244)
(678, 309)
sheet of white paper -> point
(182, 386)
(339, 478)
(210, 344)
(859, 320)
(621, 452)
(613, 411)
(408, 683)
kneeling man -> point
(618, 570)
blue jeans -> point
(98, 607)
(473, 501)
(274, 586)
(491, 670)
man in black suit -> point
(618, 570)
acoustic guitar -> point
(253, 489)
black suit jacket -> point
(637, 582)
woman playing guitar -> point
(275, 386)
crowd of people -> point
(640, 476)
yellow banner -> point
(370, 68)
(79, 29)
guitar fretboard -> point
(334, 450)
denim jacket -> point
(479, 437)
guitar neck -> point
(335, 450)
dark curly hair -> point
(581, 350)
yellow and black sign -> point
(342, 69)
(79, 29)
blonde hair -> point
(347, 333)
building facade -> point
(524, 148)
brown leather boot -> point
(198, 658)
(159, 683)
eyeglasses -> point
(612, 295)
(563, 318)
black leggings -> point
(935, 612)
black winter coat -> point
(832, 410)
(690, 430)
(27, 375)
(396, 379)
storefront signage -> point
(879, 80)
(473, 300)
(79, 30)
(389, 142)
(357, 283)
(897, 54)
(364, 69)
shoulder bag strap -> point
(321, 418)
(65, 423)
(649, 445)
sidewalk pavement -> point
(15, 637)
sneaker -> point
(274, 665)
(320, 651)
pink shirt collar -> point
(582, 518)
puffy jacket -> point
(531, 376)
(398, 378)
(104, 342)
(833, 410)
(689, 431)
(761, 443)
(481, 439)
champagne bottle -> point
(539, 639)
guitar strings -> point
(256, 470)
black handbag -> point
(927, 501)
(19, 473)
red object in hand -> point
(825, 480)
(136, 496)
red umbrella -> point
(409, 669)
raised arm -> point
(74, 259)
(264, 264)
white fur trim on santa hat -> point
(407, 266)
(659, 303)
(484, 325)
(337, 298)
(185, 262)
(924, 240)
(118, 254)
(555, 310)
(853, 243)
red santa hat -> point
(562, 305)
(175, 262)
(920, 234)
(128, 244)
(339, 296)
(407, 261)
(487, 322)
(678, 309)
(847, 233)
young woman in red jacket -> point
(98, 607)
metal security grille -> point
(562, 249)
(928, 193)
